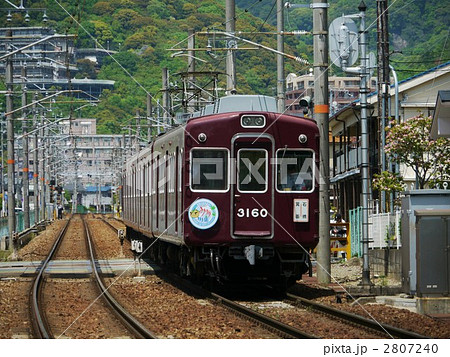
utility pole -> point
(230, 27)
(281, 86)
(25, 169)
(383, 83)
(321, 114)
(10, 147)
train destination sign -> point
(301, 210)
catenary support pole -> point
(47, 175)
(364, 90)
(10, 147)
(383, 82)
(41, 170)
(149, 118)
(230, 26)
(321, 114)
(281, 81)
(35, 163)
(165, 97)
(25, 165)
(190, 95)
(138, 131)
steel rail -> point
(344, 315)
(40, 326)
(130, 322)
(268, 322)
(265, 321)
(110, 225)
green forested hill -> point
(418, 29)
(141, 31)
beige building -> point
(343, 90)
(417, 94)
(99, 158)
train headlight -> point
(253, 121)
(202, 137)
(302, 138)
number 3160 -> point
(255, 212)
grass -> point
(4, 254)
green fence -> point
(355, 216)
(19, 223)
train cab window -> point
(295, 170)
(209, 170)
(252, 170)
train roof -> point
(236, 103)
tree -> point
(103, 32)
(389, 182)
(409, 143)
(86, 69)
(102, 8)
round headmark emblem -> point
(203, 213)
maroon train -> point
(232, 194)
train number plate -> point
(252, 212)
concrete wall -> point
(386, 262)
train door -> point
(252, 194)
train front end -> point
(251, 195)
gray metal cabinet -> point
(425, 242)
(433, 253)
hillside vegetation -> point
(418, 30)
(142, 31)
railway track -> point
(354, 319)
(288, 331)
(371, 327)
(128, 319)
(40, 326)
(275, 326)
(271, 324)
(115, 229)
(38, 316)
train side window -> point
(295, 170)
(252, 170)
(157, 176)
(162, 174)
(209, 170)
(171, 173)
(154, 175)
(180, 169)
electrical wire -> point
(419, 62)
(267, 17)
